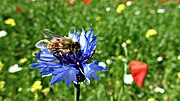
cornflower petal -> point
(89, 69)
(57, 78)
(96, 67)
(46, 55)
(75, 36)
(94, 75)
(67, 73)
(71, 76)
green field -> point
(161, 51)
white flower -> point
(14, 68)
(128, 3)
(128, 79)
(137, 12)
(158, 89)
(102, 64)
(124, 44)
(108, 9)
(108, 61)
(159, 59)
(161, 10)
(3, 33)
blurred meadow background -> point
(150, 29)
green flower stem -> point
(126, 60)
(76, 92)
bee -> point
(60, 45)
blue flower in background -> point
(65, 57)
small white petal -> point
(3, 33)
(128, 79)
(158, 89)
(128, 3)
(159, 59)
(161, 10)
(108, 9)
(123, 44)
(137, 12)
(14, 68)
(108, 61)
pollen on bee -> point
(63, 45)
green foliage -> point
(112, 29)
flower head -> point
(150, 33)
(138, 70)
(86, 2)
(178, 57)
(121, 8)
(36, 86)
(1, 66)
(158, 89)
(15, 68)
(46, 91)
(65, 58)
(162, 10)
(18, 9)
(3, 33)
(2, 83)
(128, 41)
(71, 3)
(23, 60)
(178, 75)
(128, 79)
(151, 99)
(10, 21)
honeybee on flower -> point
(65, 57)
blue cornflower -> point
(65, 58)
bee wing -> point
(47, 33)
(42, 44)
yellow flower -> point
(178, 74)
(147, 35)
(128, 41)
(151, 32)
(35, 51)
(151, 99)
(138, 55)
(2, 83)
(19, 89)
(10, 22)
(36, 86)
(23, 60)
(98, 18)
(46, 90)
(121, 8)
(121, 57)
(1, 66)
(178, 57)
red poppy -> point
(18, 9)
(86, 2)
(138, 70)
(71, 3)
